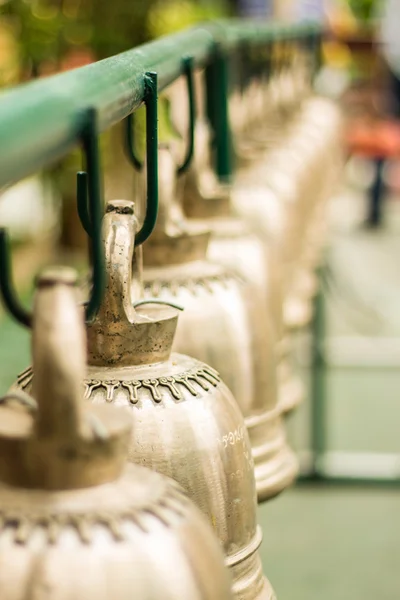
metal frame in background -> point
(319, 472)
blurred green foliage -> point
(47, 30)
(365, 10)
(172, 15)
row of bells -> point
(197, 409)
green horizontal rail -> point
(232, 32)
(41, 121)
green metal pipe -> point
(40, 121)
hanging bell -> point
(273, 207)
(187, 423)
(76, 521)
(225, 322)
(290, 181)
(233, 245)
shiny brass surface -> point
(75, 521)
(238, 249)
(225, 321)
(186, 422)
(279, 196)
(282, 198)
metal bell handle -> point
(119, 241)
(70, 445)
(59, 355)
(93, 185)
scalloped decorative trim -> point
(155, 287)
(23, 524)
(203, 376)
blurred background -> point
(325, 541)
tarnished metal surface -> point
(225, 321)
(75, 521)
(186, 422)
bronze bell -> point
(76, 521)
(272, 197)
(291, 179)
(317, 143)
(187, 423)
(235, 246)
(225, 322)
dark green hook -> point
(7, 288)
(151, 102)
(82, 201)
(187, 70)
(130, 143)
(92, 183)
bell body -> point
(234, 246)
(138, 538)
(77, 522)
(187, 425)
(240, 251)
(292, 181)
(225, 324)
(268, 215)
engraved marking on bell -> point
(23, 530)
(200, 382)
(115, 528)
(184, 380)
(175, 504)
(90, 386)
(210, 374)
(82, 524)
(152, 385)
(111, 386)
(132, 387)
(160, 514)
(169, 383)
(53, 530)
(192, 287)
(207, 283)
(25, 378)
(232, 437)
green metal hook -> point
(187, 70)
(82, 201)
(217, 84)
(92, 184)
(7, 288)
(151, 103)
(129, 140)
(90, 147)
